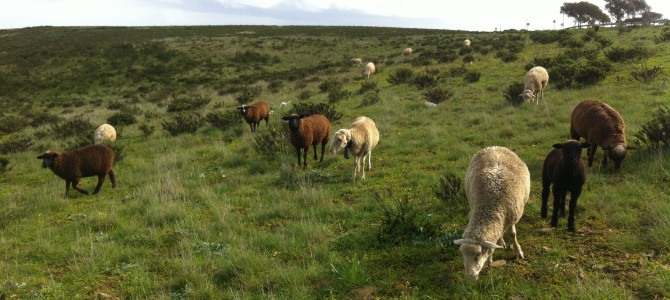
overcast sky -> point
(474, 15)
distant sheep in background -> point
(305, 132)
(407, 52)
(253, 114)
(601, 125)
(104, 133)
(93, 160)
(356, 61)
(466, 43)
(359, 140)
(429, 104)
(284, 103)
(497, 185)
(535, 81)
(369, 70)
(563, 167)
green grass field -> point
(219, 213)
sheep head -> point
(341, 139)
(527, 95)
(48, 158)
(572, 150)
(293, 121)
(617, 154)
(475, 255)
(243, 109)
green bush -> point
(11, 123)
(330, 84)
(545, 36)
(248, 93)
(656, 132)
(664, 36)
(309, 109)
(75, 127)
(424, 80)
(512, 93)
(335, 95)
(468, 58)
(15, 143)
(457, 71)
(506, 55)
(147, 129)
(472, 76)
(370, 98)
(618, 54)
(223, 119)
(4, 162)
(275, 85)
(438, 95)
(402, 221)
(121, 119)
(401, 75)
(271, 142)
(367, 86)
(187, 102)
(304, 95)
(646, 75)
(448, 188)
(183, 122)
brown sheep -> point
(308, 131)
(93, 160)
(253, 114)
(601, 125)
(564, 168)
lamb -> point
(497, 185)
(564, 168)
(601, 125)
(356, 61)
(253, 114)
(104, 133)
(535, 81)
(307, 131)
(369, 70)
(407, 52)
(92, 160)
(359, 140)
(466, 43)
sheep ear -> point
(458, 242)
(303, 116)
(557, 146)
(586, 145)
(285, 118)
(489, 245)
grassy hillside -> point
(205, 209)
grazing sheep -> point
(466, 43)
(93, 160)
(429, 104)
(407, 52)
(497, 185)
(564, 168)
(356, 61)
(308, 131)
(358, 140)
(535, 81)
(253, 114)
(369, 70)
(601, 125)
(104, 133)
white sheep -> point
(104, 133)
(356, 61)
(466, 43)
(369, 70)
(358, 140)
(497, 185)
(407, 52)
(535, 81)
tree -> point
(585, 12)
(650, 16)
(618, 8)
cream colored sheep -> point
(104, 133)
(356, 61)
(358, 140)
(407, 52)
(369, 70)
(466, 43)
(535, 81)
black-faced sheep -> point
(563, 167)
(535, 81)
(497, 185)
(93, 160)
(104, 133)
(358, 140)
(308, 131)
(601, 125)
(254, 113)
(369, 70)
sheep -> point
(564, 168)
(104, 133)
(284, 103)
(429, 104)
(407, 52)
(466, 43)
(535, 81)
(359, 140)
(601, 125)
(307, 131)
(497, 185)
(253, 114)
(356, 61)
(92, 160)
(369, 70)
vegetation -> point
(204, 209)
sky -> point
(471, 15)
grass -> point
(208, 215)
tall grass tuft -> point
(655, 133)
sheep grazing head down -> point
(475, 255)
(527, 95)
(341, 140)
(47, 158)
(617, 154)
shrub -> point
(121, 119)
(448, 188)
(74, 127)
(457, 71)
(472, 76)
(300, 84)
(568, 73)
(367, 86)
(304, 95)
(275, 85)
(269, 143)
(512, 93)
(4, 162)
(147, 129)
(438, 95)
(335, 95)
(544, 36)
(187, 102)
(11, 123)
(664, 36)
(250, 57)
(468, 58)
(401, 75)
(646, 75)
(248, 94)
(506, 55)
(40, 118)
(656, 132)
(223, 120)
(402, 222)
(15, 143)
(309, 109)
(618, 54)
(183, 122)
(370, 98)
(571, 42)
(424, 80)
(330, 84)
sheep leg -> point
(546, 185)
(515, 243)
(574, 196)
(315, 155)
(605, 153)
(362, 166)
(559, 201)
(67, 188)
(369, 160)
(304, 157)
(591, 153)
(101, 179)
(297, 152)
(75, 185)
(112, 178)
(251, 125)
(323, 149)
(355, 167)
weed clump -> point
(512, 93)
(187, 102)
(402, 221)
(401, 75)
(309, 109)
(438, 95)
(646, 75)
(370, 98)
(248, 93)
(618, 54)
(183, 122)
(656, 132)
(223, 120)
(448, 188)
(121, 119)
